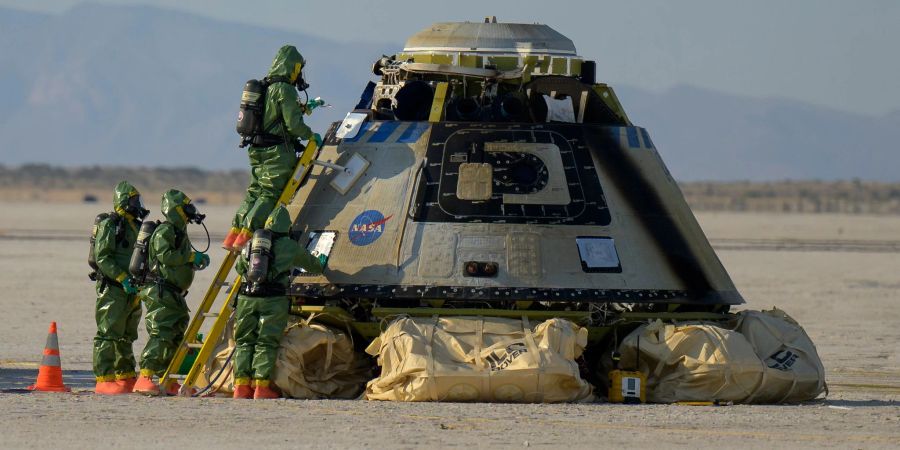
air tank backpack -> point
(259, 257)
(120, 236)
(250, 114)
(139, 266)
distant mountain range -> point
(138, 85)
(706, 135)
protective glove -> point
(323, 260)
(201, 261)
(129, 287)
(313, 104)
(318, 139)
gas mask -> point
(135, 207)
(300, 83)
(192, 214)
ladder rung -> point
(210, 314)
(195, 344)
(177, 376)
(223, 283)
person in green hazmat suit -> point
(262, 307)
(172, 263)
(118, 309)
(272, 155)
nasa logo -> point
(367, 227)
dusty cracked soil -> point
(846, 295)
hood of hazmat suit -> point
(288, 63)
(122, 196)
(170, 253)
(172, 208)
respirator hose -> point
(208, 240)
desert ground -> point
(845, 292)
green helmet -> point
(279, 222)
(127, 201)
(172, 207)
(288, 63)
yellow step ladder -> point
(304, 165)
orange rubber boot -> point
(228, 243)
(242, 239)
(242, 391)
(145, 385)
(107, 388)
(127, 384)
(264, 391)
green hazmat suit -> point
(171, 262)
(117, 313)
(272, 167)
(260, 320)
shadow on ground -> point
(861, 403)
(13, 380)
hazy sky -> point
(841, 54)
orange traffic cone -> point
(50, 377)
